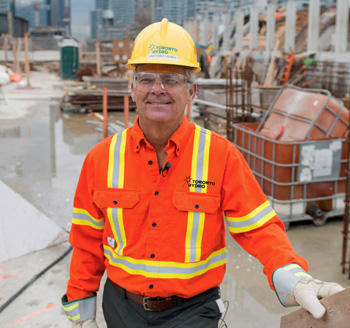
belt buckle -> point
(144, 302)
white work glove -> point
(294, 286)
(307, 293)
(91, 323)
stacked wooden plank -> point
(106, 82)
(84, 100)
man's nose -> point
(158, 87)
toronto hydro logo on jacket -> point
(156, 51)
(190, 182)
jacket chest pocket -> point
(197, 226)
(120, 209)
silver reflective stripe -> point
(200, 158)
(284, 280)
(118, 151)
(121, 244)
(81, 309)
(115, 179)
(199, 172)
(256, 218)
(194, 236)
(165, 270)
(82, 217)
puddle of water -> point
(42, 154)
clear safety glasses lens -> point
(171, 82)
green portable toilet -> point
(69, 54)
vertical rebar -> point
(345, 232)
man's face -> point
(161, 102)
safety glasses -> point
(170, 82)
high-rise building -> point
(174, 11)
(5, 6)
(96, 22)
(124, 13)
(58, 13)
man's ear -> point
(192, 92)
(132, 91)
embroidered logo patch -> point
(190, 182)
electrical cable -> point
(222, 323)
(19, 292)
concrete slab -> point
(23, 228)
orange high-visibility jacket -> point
(163, 233)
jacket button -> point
(115, 202)
(156, 193)
(150, 162)
(154, 224)
(150, 286)
(196, 206)
(152, 256)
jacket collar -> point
(176, 139)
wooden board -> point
(337, 315)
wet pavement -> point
(42, 151)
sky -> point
(80, 18)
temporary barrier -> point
(304, 177)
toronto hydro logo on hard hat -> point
(155, 51)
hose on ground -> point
(19, 292)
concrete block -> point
(337, 315)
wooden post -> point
(189, 111)
(19, 46)
(14, 52)
(4, 47)
(98, 58)
(26, 62)
(126, 110)
(104, 112)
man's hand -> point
(91, 323)
(307, 293)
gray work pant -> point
(201, 311)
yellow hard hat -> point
(164, 43)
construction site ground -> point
(42, 151)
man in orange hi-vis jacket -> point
(151, 204)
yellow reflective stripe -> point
(87, 223)
(122, 161)
(302, 274)
(253, 220)
(115, 179)
(71, 307)
(165, 269)
(83, 217)
(199, 236)
(253, 226)
(250, 215)
(195, 156)
(291, 267)
(188, 237)
(111, 161)
(74, 318)
(199, 171)
(206, 160)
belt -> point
(151, 303)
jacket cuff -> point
(284, 280)
(80, 309)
